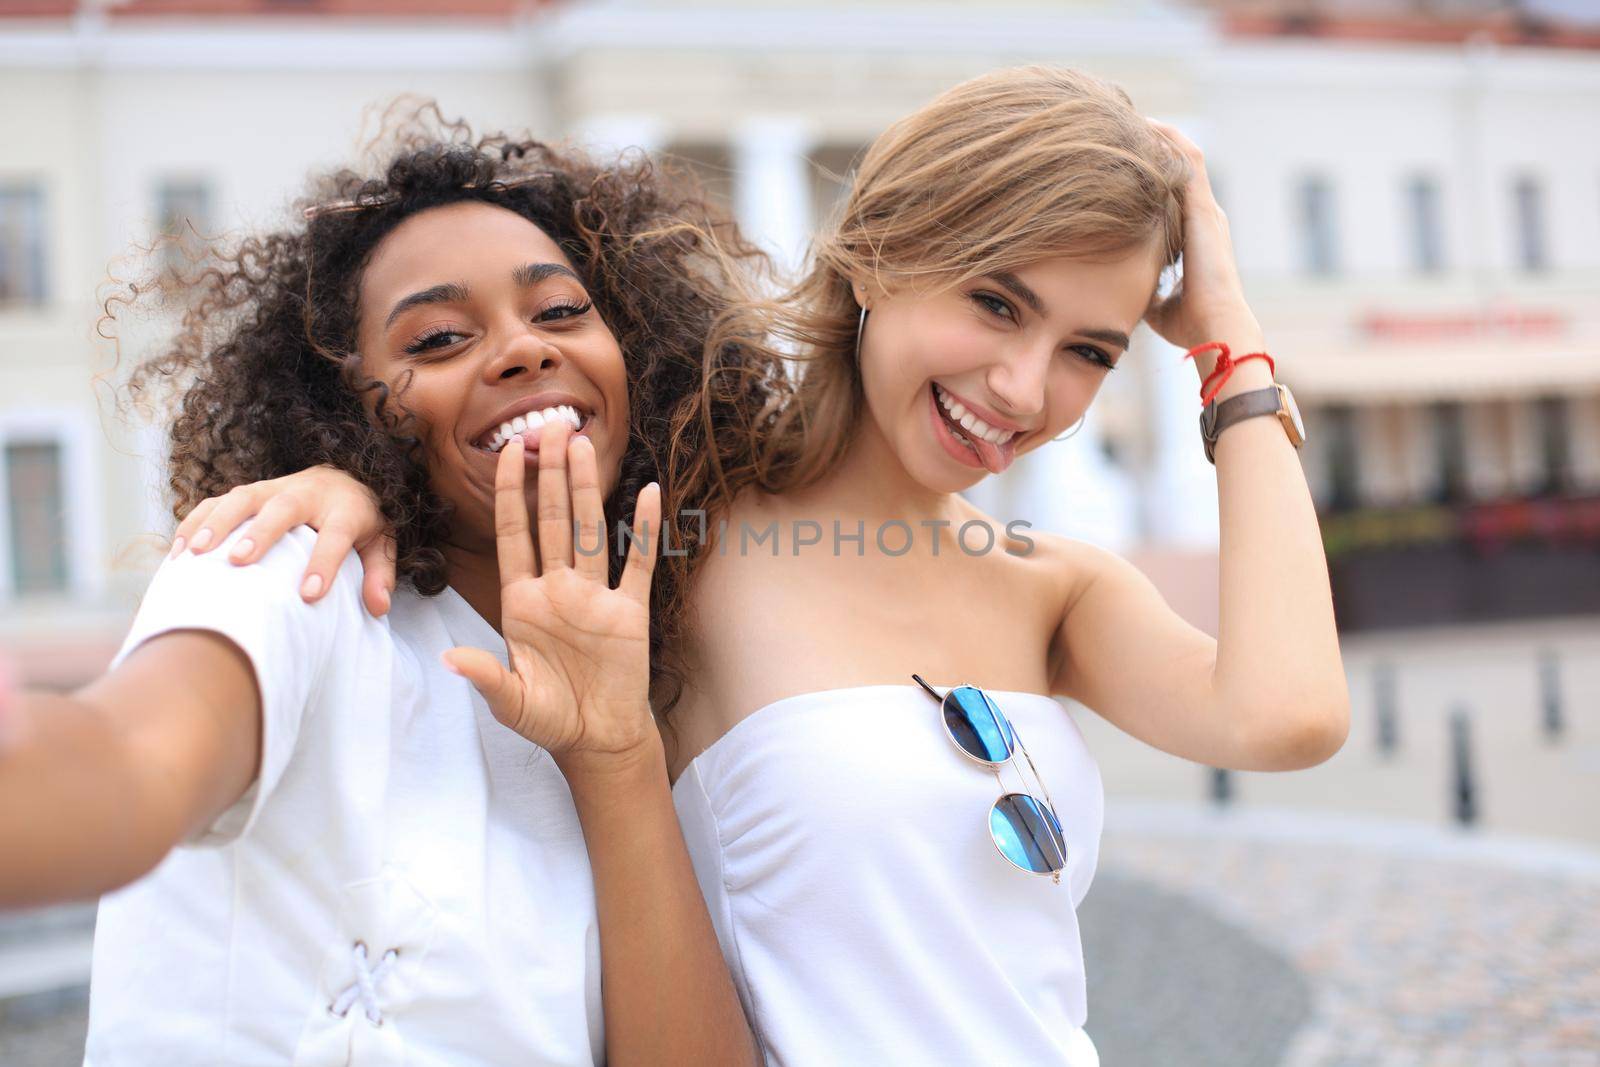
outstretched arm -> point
(97, 786)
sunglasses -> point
(1024, 828)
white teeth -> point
(532, 422)
(969, 421)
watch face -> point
(1294, 413)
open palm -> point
(579, 650)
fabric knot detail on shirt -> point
(365, 987)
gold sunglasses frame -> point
(340, 207)
(1016, 736)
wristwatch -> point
(1275, 399)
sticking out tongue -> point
(995, 458)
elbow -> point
(1313, 734)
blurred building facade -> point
(1414, 195)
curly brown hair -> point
(268, 381)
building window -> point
(1337, 426)
(21, 245)
(1318, 238)
(1555, 449)
(36, 504)
(1427, 237)
(1528, 197)
(183, 216)
(1450, 447)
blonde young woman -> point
(892, 872)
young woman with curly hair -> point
(996, 250)
(339, 852)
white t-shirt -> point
(406, 881)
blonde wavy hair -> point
(1004, 170)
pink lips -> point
(991, 457)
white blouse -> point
(842, 843)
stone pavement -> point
(1416, 945)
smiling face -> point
(487, 317)
(961, 381)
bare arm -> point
(97, 786)
(1269, 693)
(668, 996)
(579, 688)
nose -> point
(1018, 384)
(525, 353)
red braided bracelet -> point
(1224, 367)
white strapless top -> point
(842, 843)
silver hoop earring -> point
(860, 322)
(1075, 428)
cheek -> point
(925, 343)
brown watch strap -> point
(1215, 417)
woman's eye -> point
(433, 340)
(995, 305)
(1095, 356)
(564, 310)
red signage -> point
(1462, 325)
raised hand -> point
(1208, 304)
(579, 650)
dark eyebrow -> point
(1110, 337)
(534, 273)
(1021, 291)
(528, 274)
(450, 292)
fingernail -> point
(242, 548)
(203, 538)
(451, 667)
(383, 599)
(311, 586)
(177, 546)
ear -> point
(862, 293)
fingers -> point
(500, 688)
(232, 509)
(378, 561)
(642, 552)
(512, 543)
(334, 542)
(553, 497)
(191, 522)
(277, 516)
(588, 508)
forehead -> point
(454, 243)
(1119, 284)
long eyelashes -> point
(557, 311)
(1002, 309)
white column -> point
(772, 185)
(1180, 489)
(1179, 499)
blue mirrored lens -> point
(977, 725)
(1027, 833)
